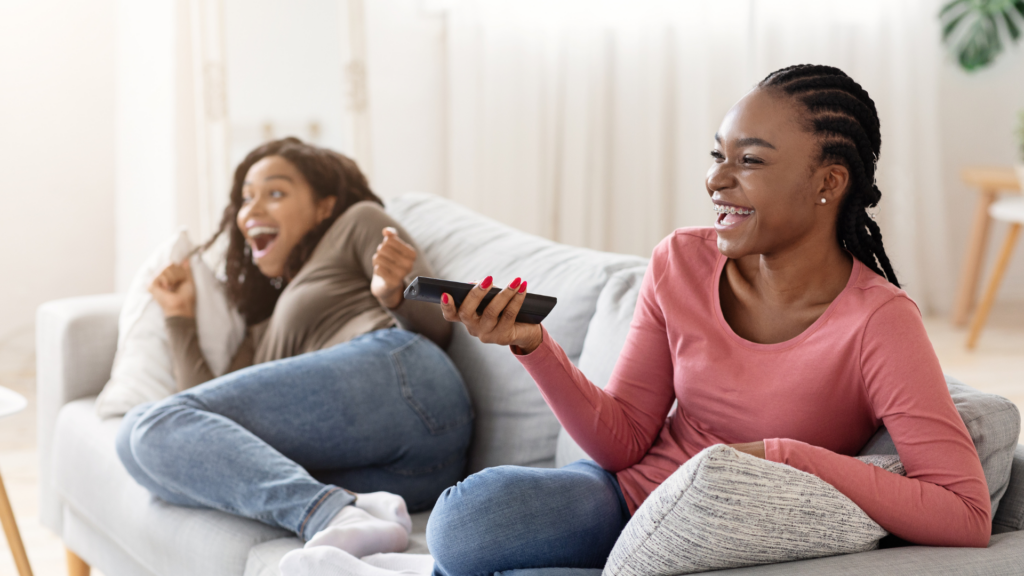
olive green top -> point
(327, 303)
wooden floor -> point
(996, 366)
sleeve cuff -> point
(177, 323)
(774, 451)
(540, 354)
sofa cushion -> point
(725, 508)
(143, 367)
(994, 425)
(513, 423)
(167, 540)
(1010, 516)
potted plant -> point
(974, 29)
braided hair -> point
(846, 121)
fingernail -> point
(515, 283)
(487, 283)
(444, 298)
(522, 287)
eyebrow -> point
(269, 178)
(748, 142)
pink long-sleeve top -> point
(814, 400)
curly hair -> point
(844, 117)
(329, 174)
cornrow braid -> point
(844, 117)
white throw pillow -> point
(143, 369)
(726, 509)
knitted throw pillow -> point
(725, 509)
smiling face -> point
(278, 209)
(766, 180)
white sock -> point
(327, 561)
(357, 532)
(421, 564)
(386, 506)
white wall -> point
(62, 108)
(146, 123)
(57, 68)
(979, 114)
(284, 71)
(406, 86)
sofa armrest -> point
(75, 343)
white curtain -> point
(590, 121)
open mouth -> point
(729, 216)
(262, 239)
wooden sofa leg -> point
(76, 566)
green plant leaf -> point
(971, 29)
(948, 29)
(1011, 26)
(950, 6)
(981, 44)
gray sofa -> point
(111, 523)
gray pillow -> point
(513, 423)
(994, 425)
(726, 509)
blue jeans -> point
(274, 442)
(528, 520)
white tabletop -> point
(11, 402)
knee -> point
(464, 517)
(147, 430)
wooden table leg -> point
(981, 314)
(76, 566)
(13, 535)
(973, 259)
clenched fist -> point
(392, 262)
(174, 290)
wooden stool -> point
(11, 403)
(1007, 210)
(989, 182)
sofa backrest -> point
(513, 423)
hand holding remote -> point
(496, 324)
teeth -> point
(261, 230)
(732, 210)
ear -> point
(834, 183)
(324, 208)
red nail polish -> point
(487, 283)
(522, 287)
(515, 283)
(444, 298)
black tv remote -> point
(535, 307)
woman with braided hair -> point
(782, 331)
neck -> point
(811, 271)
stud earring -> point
(822, 200)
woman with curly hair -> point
(340, 409)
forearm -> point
(614, 434)
(190, 368)
(957, 514)
(423, 318)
